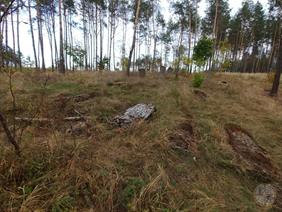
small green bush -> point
(197, 80)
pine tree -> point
(216, 25)
(276, 8)
(258, 34)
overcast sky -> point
(25, 38)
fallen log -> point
(74, 118)
(33, 119)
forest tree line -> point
(245, 42)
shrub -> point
(203, 51)
(226, 65)
(197, 80)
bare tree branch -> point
(8, 133)
(6, 11)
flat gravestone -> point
(139, 111)
(163, 69)
(170, 70)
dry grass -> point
(135, 169)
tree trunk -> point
(179, 49)
(13, 36)
(1, 47)
(274, 47)
(123, 37)
(134, 35)
(114, 55)
(101, 37)
(54, 35)
(66, 38)
(49, 32)
(190, 40)
(62, 59)
(32, 35)
(40, 34)
(18, 35)
(215, 20)
(96, 35)
(85, 36)
(110, 42)
(215, 32)
(6, 37)
(276, 82)
(153, 66)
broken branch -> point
(73, 118)
(8, 133)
